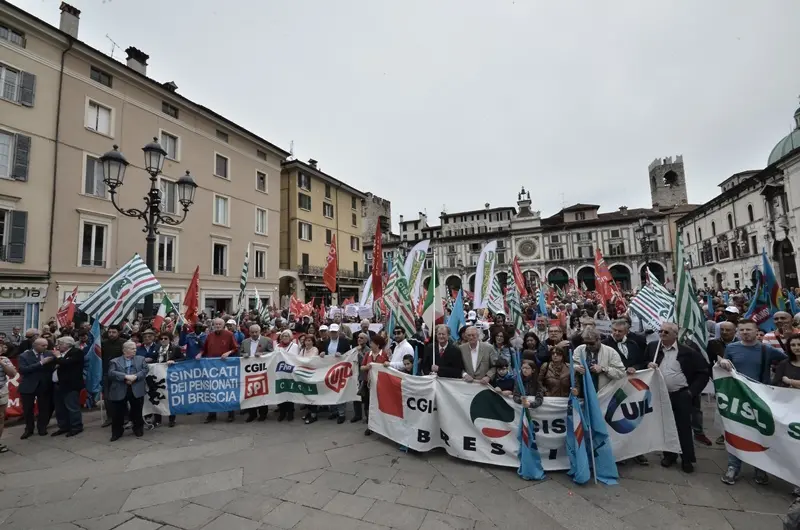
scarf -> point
(163, 354)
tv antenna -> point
(114, 45)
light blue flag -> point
(530, 462)
(542, 302)
(792, 303)
(726, 297)
(710, 304)
(577, 451)
(94, 366)
(456, 320)
(605, 467)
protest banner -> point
(219, 385)
(14, 408)
(473, 422)
(761, 423)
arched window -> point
(699, 234)
(688, 238)
(730, 222)
(713, 228)
(750, 215)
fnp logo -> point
(738, 403)
(337, 376)
(628, 406)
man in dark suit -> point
(685, 373)
(336, 344)
(111, 348)
(365, 329)
(69, 382)
(127, 387)
(255, 346)
(36, 386)
(442, 357)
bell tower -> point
(667, 182)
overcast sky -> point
(460, 102)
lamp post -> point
(643, 233)
(114, 165)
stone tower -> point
(667, 182)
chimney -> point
(137, 60)
(70, 18)
(401, 219)
(623, 210)
(312, 163)
(170, 85)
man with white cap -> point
(731, 314)
(233, 328)
(337, 344)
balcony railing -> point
(219, 272)
(166, 268)
(93, 263)
(312, 270)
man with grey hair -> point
(68, 379)
(36, 386)
(605, 364)
(365, 329)
(127, 387)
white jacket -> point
(608, 359)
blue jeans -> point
(736, 464)
(68, 410)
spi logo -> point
(256, 385)
(738, 403)
(337, 376)
(629, 405)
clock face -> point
(527, 248)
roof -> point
(484, 210)
(580, 206)
(630, 215)
(788, 143)
(159, 87)
(297, 164)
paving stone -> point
(355, 452)
(271, 488)
(107, 522)
(755, 499)
(460, 472)
(139, 524)
(440, 521)
(414, 463)
(460, 506)
(41, 494)
(291, 463)
(706, 465)
(349, 505)
(5, 514)
(286, 515)
(504, 508)
(484, 525)
(705, 497)
(568, 508)
(414, 478)
(439, 483)
(182, 454)
(360, 469)
(509, 477)
(183, 489)
(310, 495)
(423, 498)
(703, 517)
(180, 514)
(749, 521)
(317, 520)
(380, 490)
(395, 515)
(616, 501)
(657, 517)
(253, 507)
(339, 481)
(384, 460)
(227, 521)
(216, 500)
(65, 473)
(68, 511)
(307, 477)
(655, 491)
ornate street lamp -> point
(643, 233)
(114, 165)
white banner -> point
(415, 263)
(473, 422)
(484, 274)
(761, 422)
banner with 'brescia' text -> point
(219, 385)
(473, 422)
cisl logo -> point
(738, 403)
(337, 376)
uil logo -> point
(628, 406)
(337, 376)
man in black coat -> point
(68, 385)
(336, 343)
(686, 374)
(449, 362)
(36, 386)
(630, 347)
(111, 349)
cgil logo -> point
(738, 403)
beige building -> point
(315, 208)
(63, 105)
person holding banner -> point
(442, 357)
(126, 389)
(377, 355)
(286, 345)
(7, 371)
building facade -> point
(375, 211)
(315, 209)
(70, 103)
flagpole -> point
(588, 421)
(433, 315)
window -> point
(451, 248)
(15, 153)
(580, 216)
(304, 181)
(585, 251)
(170, 144)
(93, 245)
(614, 233)
(169, 196)
(13, 229)
(730, 222)
(260, 268)
(98, 118)
(221, 166)
(451, 261)
(616, 249)
(554, 239)
(501, 258)
(355, 269)
(688, 238)
(219, 259)
(328, 236)
(304, 201)
(261, 181)
(169, 110)
(750, 212)
(261, 154)
(501, 244)
(754, 244)
(353, 203)
(583, 236)
(699, 234)
(261, 221)
(221, 215)
(12, 36)
(556, 253)
(475, 247)
(9, 79)
(167, 253)
(304, 230)
(354, 220)
(713, 228)
(93, 178)
(327, 210)
(100, 76)
(327, 191)
(222, 135)
(354, 244)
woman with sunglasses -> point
(167, 353)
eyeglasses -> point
(664, 332)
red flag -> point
(518, 278)
(604, 283)
(67, 311)
(191, 302)
(330, 272)
(296, 306)
(377, 264)
(322, 312)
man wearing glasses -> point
(401, 349)
(605, 364)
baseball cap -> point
(334, 327)
(323, 327)
(231, 321)
(732, 309)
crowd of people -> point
(51, 361)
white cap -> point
(472, 315)
(334, 327)
(732, 309)
(323, 328)
(231, 321)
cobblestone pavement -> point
(326, 476)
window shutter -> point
(310, 227)
(17, 234)
(22, 156)
(27, 89)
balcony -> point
(344, 274)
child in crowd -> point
(503, 381)
(533, 395)
(408, 364)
